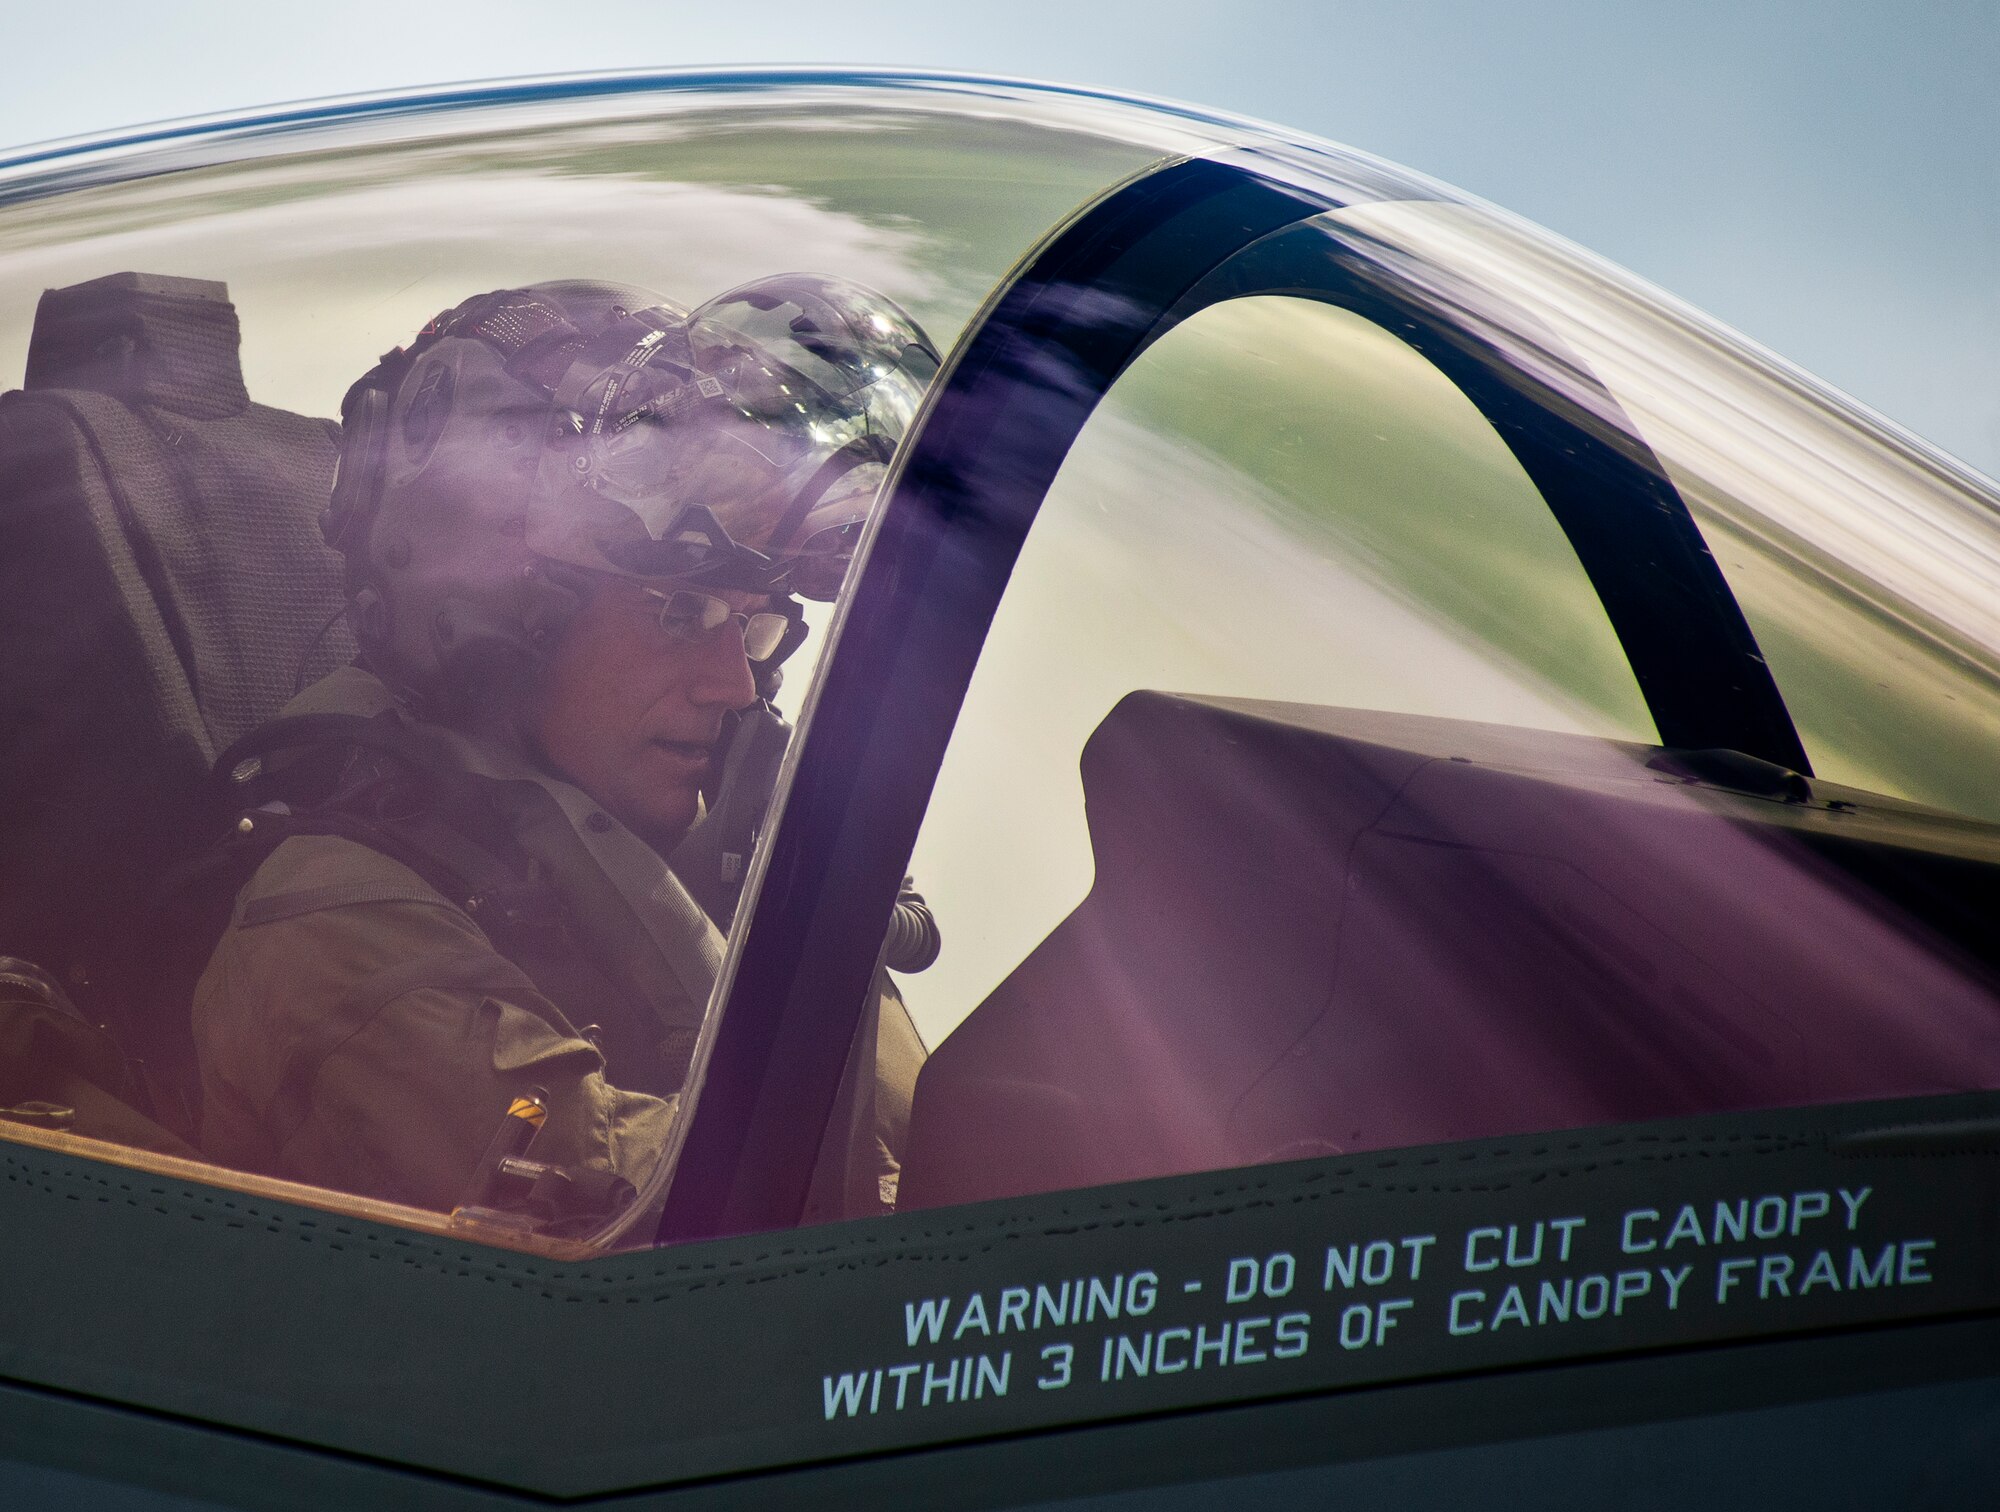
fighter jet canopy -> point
(1295, 675)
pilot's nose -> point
(722, 676)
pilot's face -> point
(630, 712)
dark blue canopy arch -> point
(1144, 258)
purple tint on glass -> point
(1318, 931)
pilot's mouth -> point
(693, 752)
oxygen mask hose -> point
(714, 859)
(914, 941)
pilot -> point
(577, 520)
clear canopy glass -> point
(1433, 686)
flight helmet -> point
(531, 440)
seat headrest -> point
(144, 338)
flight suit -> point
(357, 1029)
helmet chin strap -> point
(487, 671)
(490, 659)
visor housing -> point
(774, 408)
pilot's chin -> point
(666, 825)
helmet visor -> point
(772, 409)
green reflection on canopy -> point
(1370, 455)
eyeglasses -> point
(686, 615)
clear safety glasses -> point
(686, 615)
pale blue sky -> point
(1821, 174)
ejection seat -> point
(163, 590)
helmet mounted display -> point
(740, 449)
(532, 439)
